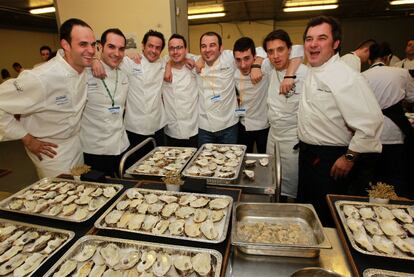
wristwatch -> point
(350, 157)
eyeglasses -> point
(172, 48)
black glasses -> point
(172, 48)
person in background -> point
(5, 74)
(391, 86)
(339, 122)
(51, 99)
(408, 61)
(17, 67)
(360, 56)
(45, 53)
(103, 134)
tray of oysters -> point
(217, 163)
(373, 272)
(379, 229)
(61, 199)
(162, 160)
(26, 247)
(178, 215)
(106, 256)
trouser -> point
(108, 164)
(249, 138)
(315, 182)
(228, 135)
(191, 142)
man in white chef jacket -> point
(103, 134)
(50, 99)
(391, 86)
(359, 56)
(180, 97)
(408, 62)
(339, 122)
(283, 108)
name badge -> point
(114, 110)
(240, 111)
(61, 100)
(215, 98)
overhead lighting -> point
(402, 2)
(206, 15)
(299, 3)
(310, 8)
(42, 10)
(200, 9)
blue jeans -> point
(227, 136)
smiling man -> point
(50, 99)
(103, 134)
(339, 122)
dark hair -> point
(211, 34)
(16, 64)
(67, 26)
(277, 34)
(244, 44)
(331, 21)
(379, 51)
(5, 74)
(152, 33)
(366, 43)
(112, 31)
(45, 47)
(177, 36)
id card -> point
(114, 110)
(240, 111)
(215, 98)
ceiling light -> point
(206, 15)
(216, 8)
(310, 8)
(42, 10)
(298, 3)
(402, 2)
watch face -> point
(349, 157)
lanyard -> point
(107, 90)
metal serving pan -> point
(125, 245)
(65, 235)
(131, 170)
(302, 215)
(35, 188)
(221, 226)
(339, 208)
(213, 180)
(373, 272)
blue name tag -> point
(240, 111)
(215, 98)
(114, 110)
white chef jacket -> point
(405, 63)
(144, 112)
(352, 60)
(335, 101)
(50, 99)
(390, 85)
(181, 104)
(102, 126)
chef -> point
(50, 99)
(103, 134)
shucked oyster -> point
(113, 216)
(128, 260)
(184, 212)
(249, 174)
(147, 260)
(383, 213)
(390, 227)
(109, 192)
(134, 193)
(12, 264)
(351, 211)
(200, 202)
(183, 264)
(110, 253)
(123, 221)
(401, 215)
(200, 215)
(366, 213)
(264, 161)
(383, 244)
(355, 224)
(250, 163)
(136, 221)
(84, 269)
(66, 268)
(30, 264)
(372, 227)
(38, 244)
(208, 230)
(155, 208)
(169, 209)
(160, 227)
(149, 222)
(202, 263)
(168, 198)
(151, 198)
(187, 199)
(192, 229)
(362, 239)
(162, 265)
(176, 228)
(216, 215)
(218, 203)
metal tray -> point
(222, 225)
(214, 180)
(338, 206)
(302, 214)
(373, 272)
(132, 172)
(139, 245)
(4, 204)
(65, 234)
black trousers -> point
(191, 142)
(249, 138)
(108, 164)
(315, 182)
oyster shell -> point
(383, 213)
(192, 229)
(29, 206)
(97, 270)
(79, 189)
(202, 263)
(168, 198)
(98, 192)
(409, 228)
(128, 260)
(205, 171)
(186, 199)
(40, 207)
(264, 161)
(143, 208)
(410, 211)
(200, 215)
(113, 217)
(169, 209)
(400, 243)
(200, 202)
(84, 269)
(225, 174)
(112, 273)
(65, 188)
(351, 211)
(12, 264)
(383, 244)
(183, 264)
(38, 244)
(147, 260)
(135, 203)
(135, 221)
(109, 192)
(155, 208)
(202, 162)
(66, 268)
(232, 163)
(30, 264)
(219, 203)
(69, 209)
(55, 210)
(26, 238)
(149, 222)
(88, 191)
(95, 204)
(123, 221)
(160, 227)
(16, 204)
(372, 227)
(250, 163)
(98, 259)
(122, 205)
(401, 215)
(193, 170)
(10, 253)
(249, 174)
(60, 198)
(70, 199)
(355, 224)
(390, 227)
(81, 214)
(208, 230)
(151, 198)
(184, 212)
(134, 193)
(216, 215)
(366, 213)
(176, 228)
(86, 253)
(12, 238)
(52, 245)
(162, 265)
(6, 231)
(219, 161)
(362, 239)
(50, 195)
(110, 253)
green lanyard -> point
(107, 90)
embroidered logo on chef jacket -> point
(324, 88)
(17, 86)
(61, 100)
(224, 68)
(137, 70)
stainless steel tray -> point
(173, 250)
(221, 226)
(339, 204)
(373, 272)
(303, 215)
(131, 170)
(64, 234)
(213, 180)
(4, 204)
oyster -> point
(366, 213)
(123, 221)
(219, 203)
(86, 253)
(135, 203)
(97, 270)
(162, 265)
(16, 204)
(192, 229)
(390, 227)
(26, 238)
(65, 188)
(202, 162)
(383, 213)
(147, 260)
(84, 269)
(161, 227)
(208, 230)
(372, 227)
(50, 195)
(109, 192)
(186, 199)
(200, 202)
(66, 268)
(83, 200)
(400, 243)
(212, 166)
(128, 260)
(218, 161)
(112, 273)
(202, 263)
(176, 228)
(264, 161)
(60, 198)
(43, 186)
(12, 264)
(79, 189)
(113, 217)
(216, 215)
(410, 211)
(69, 209)
(193, 170)
(55, 210)
(183, 264)
(355, 224)
(38, 244)
(149, 222)
(40, 207)
(409, 243)
(206, 172)
(6, 231)
(52, 245)
(249, 174)
(98, 192)
(362, 239)
(110, 253)
(95, 204)
(200, 215)
(12, 238)
(383, 244)
(168, 198)
(402, 216)
(409, 228)
(88, 191)
(230, 155)
(351, 211)
(135, 221)
(184, 212)
(232, 163)
(169, 209)
(10, 253)
(30, 264)
(122, 205)
(143, 208)
(134, 193)
(70, 199)
(250, 163)
(151, 198)
(155, 208)
(81, 214)
(225, 174)
(29, 206)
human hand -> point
(256, 75)
(135, 57)
(168, 72)
(39, 147)
(189, 63)
(286, 85)
(341, 168)
(199, 65)
(98, 70)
